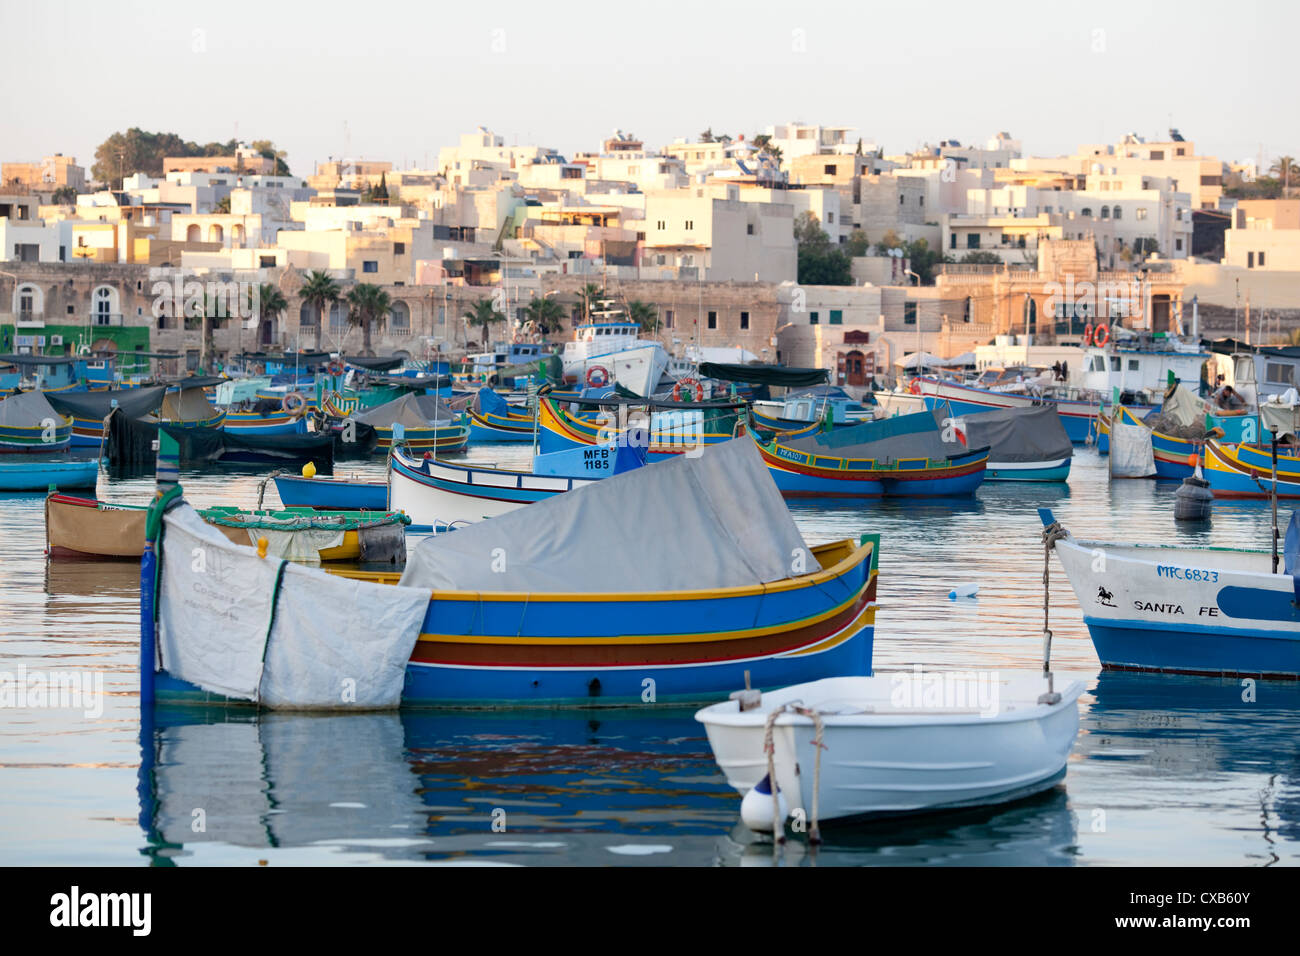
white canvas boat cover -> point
(1031, 433)
(28, 410)
(1280, 419)
(713, 521)
(410, 411)
(1182, 408)
(1131, 454)
(321, 642)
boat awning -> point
(37, 359)
(780, 375)
(375, 363)
(195, 381)
(1283, 421)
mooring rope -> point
(1051, 534)
(769, 747)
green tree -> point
(590, 295)
(858, 244)
(482, 315)
(64, 196)
(320, 292)
(134, 150)
(380, 193)
(271, 303)
(1284, 169)
(643, 314)
(545, 315)
(368, 307)
(980, 257)
(707, 135)
(222, 206)
(820, 263)
(266, 148)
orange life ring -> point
(1087, 334)
(915, 387)
(604, 376)
(1101, 336)
(293, 403)
(334, 368)
(677, 389)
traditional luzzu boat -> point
(426, 424)
(492, 419)
(43, 475)
(437, 492)
(86, 528)
(89, 409)
(1243, 471)
(508, 613)
(29, 424)
(893, 744)
(1219, 611)
(276, 420)
(186, 405)
(673, 428)
(904, 457)
(1025, 444)
(1077, 415)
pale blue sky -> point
(410, 77)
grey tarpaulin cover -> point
(885, 440)
(1279, 419)
(411, 411)
(28, 410)
(1033, 433)
(713, 521)
(1131, 454)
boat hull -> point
(334, 493)
(1076, 416)
(1242, 472)
(1217, 612)
(1058, 470)
(41, 476)
(799, 474)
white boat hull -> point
(883, 759)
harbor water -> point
(1166, 769)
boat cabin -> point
(1142, 365)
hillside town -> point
(804, 245)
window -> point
(837, 317)
(669, 319)
(830, 217)
(812, 318)
(972, 240)
(1261, 258)
(399, 248)
(1117, 212)
(690, 225)
(1211, 180)
(713, 320)
(1114, 363)
(829, 169)
(1278, 373)
(1141, 213)
(1180, 151)
(1132, 365)
(370, 265)
(266, 262)
(909, 313)
(900, 199)
(1105, 212)
(952, 240)
(1250, 260)
(1157, 154)
(744, 320)
(659, 224)
(1178, 247)
(921, 201)
(749, 229)
(1085, 211)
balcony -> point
(29, 320)
(106, 319)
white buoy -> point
(756, 807)
(963, 591)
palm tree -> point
(320, 291)
(271, 304)
(546, 315)
(368, 307)
(482, 315)
(1284, 169)
(643, 314)
(589, 294)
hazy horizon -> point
(903, 76)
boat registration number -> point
(1186, 574)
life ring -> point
(604, 376)
(334, 368)
(915, 387)
(677, 389)
(1100, 336)
(1087, 334)
(293, 403)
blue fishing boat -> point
(29, 424)
(89, 410)
(907, 457)
(433, 491)
(509, 612)
(492, 419)
(670, 428)
(301, 491)
(1025, 444)
(44, 475)
(1219, 611)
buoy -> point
(309, 470)
(963, 591)
(1193, 459)
(262, 544)
(1193, 501)
(756, 807)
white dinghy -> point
(892, 744)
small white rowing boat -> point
(894, 744)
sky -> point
(402, 79)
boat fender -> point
(963, 591)
(1101, 336)
(756, 807)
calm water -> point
(1166, 770)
